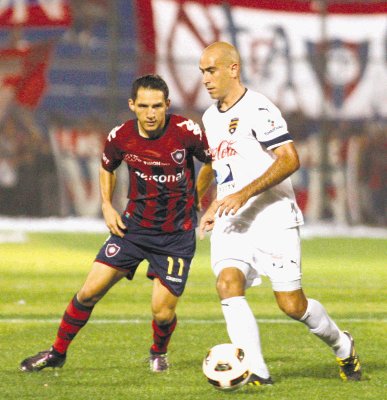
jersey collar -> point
(240, 98)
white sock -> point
(243, 331)
(319, 323)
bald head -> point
(220, 66)
(222, 52)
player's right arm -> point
(207, 221)
(111, 159)
(107, 182)
(204, 180)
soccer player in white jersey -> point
(255, 218)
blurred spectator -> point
(337, 165)
(9, 166)
(89, 15)
(27, 171)
(374, 174)
(298, 127)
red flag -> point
(26, 72)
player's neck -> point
(149, 135)
(231, 98)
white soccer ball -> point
(226, 367)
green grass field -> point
(106, 360)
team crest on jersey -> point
(233, 125)
(178, 156)
(111, 250)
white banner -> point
(49, 13)
(280, 50)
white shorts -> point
(275, 254)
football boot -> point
(256, 380)
(350, 369)
(158, 362)
(44, 359)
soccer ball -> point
(226, 367)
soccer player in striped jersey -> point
(158, 224)
(255, 218)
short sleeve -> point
(112, 156)
(270, 127)
(196, 140)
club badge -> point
(233, 125)
(112, 250)
(178, 156)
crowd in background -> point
(28, 176)
(356, 170)
(34, 165)
(49, 168)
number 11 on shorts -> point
(171, 263)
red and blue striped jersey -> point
(161, 172)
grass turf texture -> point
(106, 360)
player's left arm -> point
(204, 181)
(285, 164)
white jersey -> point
(241, 140)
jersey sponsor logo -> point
(135, 158)
(111, 250)
(224, 179)
(178, 156)
(157, 163)
(132, 158)
(224, 149)
(274, 128)
(161, 178)
(226, 188)
(223, 174)
(232, 127)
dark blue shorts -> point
(169, 256)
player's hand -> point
(232, 203)
(113, 220)
(208, 220)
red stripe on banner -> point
(146, 37)
(298, 6)
(35, 16)
(359, 8)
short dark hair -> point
(155, 82)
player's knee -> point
(87, 298)
(163, 315)
(230, 283)
(293, 303)
(293, 309)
